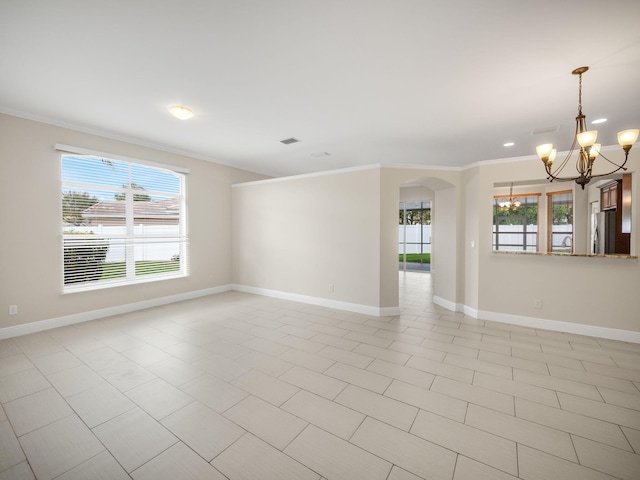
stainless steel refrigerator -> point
(603, 232)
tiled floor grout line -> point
(134, 333)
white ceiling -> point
(411, 82)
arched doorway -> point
(443, 192)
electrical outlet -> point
(13, 309)
(537, 303)
(331, 288)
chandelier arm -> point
(562, 179)
(608, 173)
(553, 178)
(564, 162)
(626, 156)
(548, 170)
(620, 167)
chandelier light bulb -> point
(594, 151)
(586, 139)
(627, 138)
(512, 203)
(543, 151)
(181, 112)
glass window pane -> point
(414, 235)
(516, 229)
(561, 223)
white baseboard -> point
(39, 326)
(541, 323)
(322, 302)
(449, 305)
(472, 312)
(531, 322)
(560, 326)
(33, 327)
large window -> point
(122, 222)
(516, 229)
(560, 221)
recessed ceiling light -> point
(181, 112)
(508, 144)
(599, 120)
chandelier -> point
(511, 204)
(589, 149)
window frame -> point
(524, 234)
(130, 240)
(550, 223)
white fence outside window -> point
(164, 249)
(413, 240)
(512, 235)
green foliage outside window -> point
(137, 197)
(416, 217)
(73, 204)
(514, 217)
(562, 214)
(83, 262)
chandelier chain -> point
(580, 94)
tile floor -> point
(239, 386)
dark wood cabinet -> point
(609, 195)
(611, 202)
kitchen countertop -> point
(552, 254)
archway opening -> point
(435, 216)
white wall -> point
(445, 243)
(300, 235)
(470, 276)
(388, 227)
(30, 249)
(416, 194)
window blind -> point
(122, 222)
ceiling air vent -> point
(289, 141)
(540, 131)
